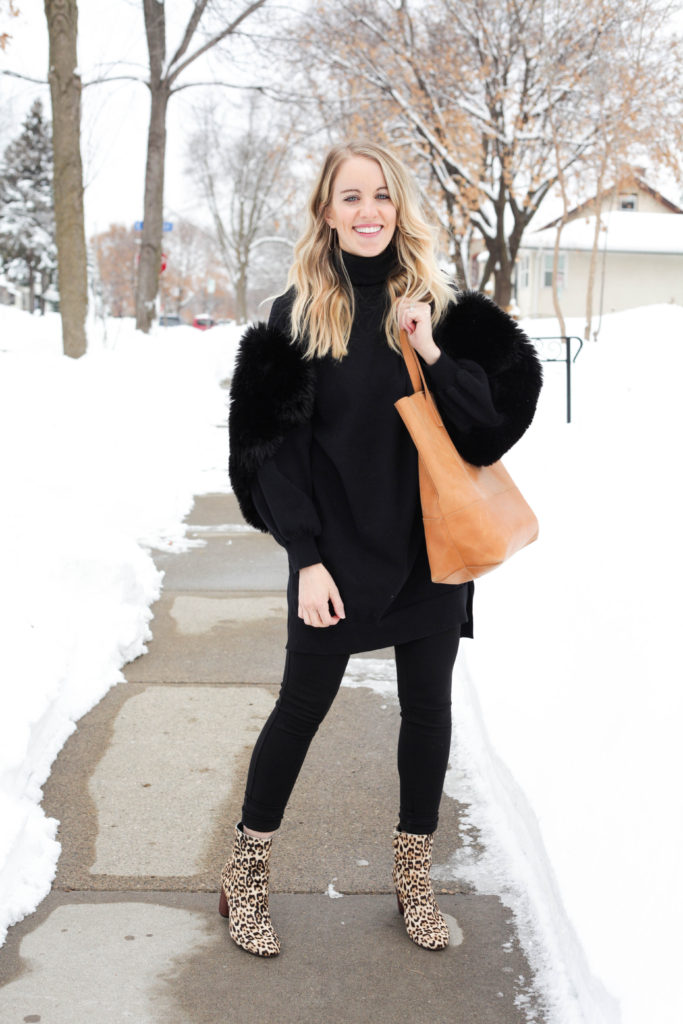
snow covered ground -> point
(571, 704)
(568, 703)
(100, 459)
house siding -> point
(630, 279)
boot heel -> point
(223, 908)
(400, 905)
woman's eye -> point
(380, 195)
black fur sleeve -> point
(476, 328)
(272, 390)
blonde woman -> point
(321, 459)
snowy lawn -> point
(100, 459)
(568, 703)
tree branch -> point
(114, 78)
(25, 78)
(172, 75)
(291, 242)
(226, 85)
(190, 28)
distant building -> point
(639, 261)
(13, 294)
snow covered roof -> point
(622, 231)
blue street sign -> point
(139, 225)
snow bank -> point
(568, 704)
(101, 457)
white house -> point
(639, 261)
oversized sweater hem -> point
(409, 622)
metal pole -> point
(567, 360)
(568, 342)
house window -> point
(628, 201)
(548, 270)
(523, 272)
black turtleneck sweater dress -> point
(343, 488)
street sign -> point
(139, 225)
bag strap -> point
(417, 377)
(412, 362)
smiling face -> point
(360, 209)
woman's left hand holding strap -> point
(415, 318)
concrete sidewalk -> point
(147, 791)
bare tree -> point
(629, 102)
(241, 178)
(163, 83)
(194, 279)
(65, 92)
(462, 87)
(115, 253)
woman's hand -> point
(415, 318)
(316, 589)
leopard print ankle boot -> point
(416, 901)
(244, 895)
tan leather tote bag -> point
(474, 517)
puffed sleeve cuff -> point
(462, 386)
(441, 374)
(303, 552)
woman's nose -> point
(368, 207)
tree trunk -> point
(44, 284)
(65, 92)
(593, 262)
(502, 285)
(556, 290)
(241, 293)
(501, 267)
(462, 277)
(150, 246)
(31, 289)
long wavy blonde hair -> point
(323, 309)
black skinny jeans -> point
(424, 671)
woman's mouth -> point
(368, 229)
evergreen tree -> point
(28, 253)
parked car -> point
(170, 320)
(203, 321)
